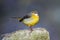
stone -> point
(36, 34)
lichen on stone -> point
(36, 34)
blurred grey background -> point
(49, 12)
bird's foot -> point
(31, 29)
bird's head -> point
(34, 13)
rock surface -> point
(36, 34)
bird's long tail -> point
(18, 18)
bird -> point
(30, 19)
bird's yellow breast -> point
(32, 20)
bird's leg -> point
(31, 28)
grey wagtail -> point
(30, 19)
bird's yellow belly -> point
(30, 21)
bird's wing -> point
(25, 17)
